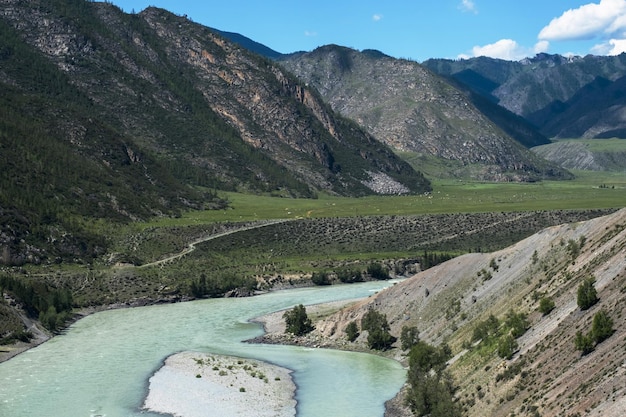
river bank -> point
(274, 333)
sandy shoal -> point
(192, 384)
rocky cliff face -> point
(412, 110)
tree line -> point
(52, 306)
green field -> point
(589, 190)
(600, 145)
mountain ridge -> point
(541, 88)
(412, 110)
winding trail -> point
(192, 245)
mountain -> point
(250, 44)
(416, 112)
(546, 374)
(565, 97)
(126, 116)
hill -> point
(564, 97)
(586, 154)
(116, 116)
(546, 374)
(414, 111)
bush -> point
(352, 331)
(348, 276)
(602, 327)
(431, 388)
(546, 305)
(584, 343)
(507, 345)
(517, 322)
(486, 329)
(587, 295)
(377, 271)
(297, 321)
(409, 336)
(320, 278)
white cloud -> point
(377, 17)
(507, 49)
(309, 33)
(503, 49)
(468, 6)
(604, 19)
(541, 46)
(612, 47)
(618, 46)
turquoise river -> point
(101, 365)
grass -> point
(600, 145)
(448, 196)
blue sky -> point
(417, 29)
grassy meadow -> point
(590, 190)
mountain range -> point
(128, 116)
(564, 97)
(421, 115)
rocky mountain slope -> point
(546, 375)
(122, 116)
(564, 97)
(412, 110)
(131, 64)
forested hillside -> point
(118, 117)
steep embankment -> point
(547, 374)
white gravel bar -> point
(192, 384)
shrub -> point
(507, 345)
(377, 327)
(409, 336)
(349, 276)
(584, 343)
(320, 278)
(602, 327)
(587, 295)
(352, 331)
(517, 322)
(546, 305)
(431, 388)
(486, 329)
(297, 321)
(377, 271)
